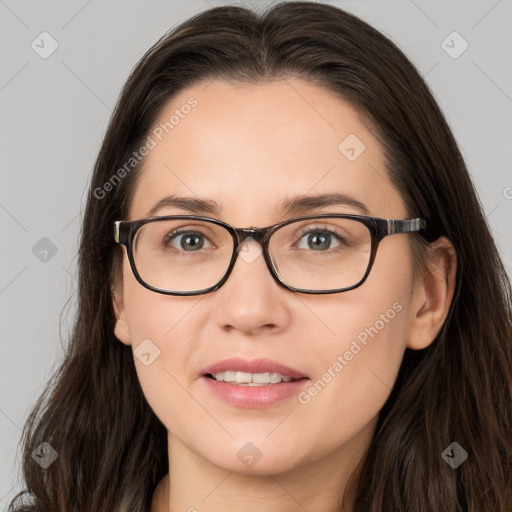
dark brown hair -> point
(112, 449)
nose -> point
(250, 299)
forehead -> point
(250, 147)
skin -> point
(249, 147)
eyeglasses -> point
(317, 254)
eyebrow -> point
(296, 204)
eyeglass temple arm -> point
(405, 226)
(116, 230)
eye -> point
(183, 240)
(319, 239)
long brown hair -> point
(112, 449)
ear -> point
(121, 329)
(432, 296)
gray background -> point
(54, 112)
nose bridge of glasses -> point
(245, 235)
(258, 235)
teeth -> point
(251, 379)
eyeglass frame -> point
(379, 228)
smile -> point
(250, 379)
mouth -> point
(255, 372)
(253, 384)
(239, 378)
(249, 390)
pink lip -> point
(261, 365)
(253, 396)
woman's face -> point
(250, 148)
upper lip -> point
(260, 365)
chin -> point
(263, 467)
(259, 457)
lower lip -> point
(254, 397)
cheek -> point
(163, 342)
(152, 315)
(357, 349)
(357, 366)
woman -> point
(295, 367)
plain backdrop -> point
(55, 109)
